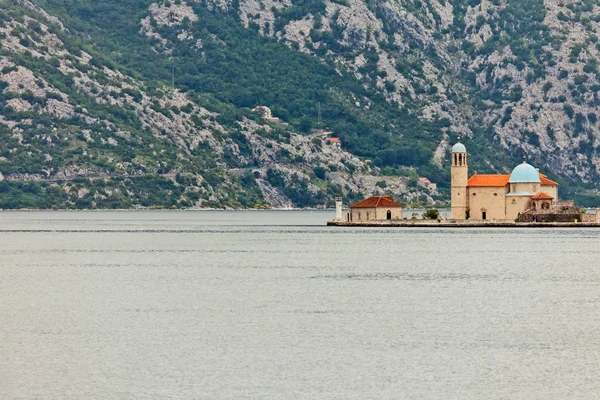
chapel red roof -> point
(496, 180)
(546, 181)
(377, 201)
(541, 196)
(333, 140)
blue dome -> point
(524, 173)
(459, 148)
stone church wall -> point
(370, 214)
(488, 199)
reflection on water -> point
(227, 305)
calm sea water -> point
(275, 305)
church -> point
(499, 197)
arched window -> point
(513, 201)
(367, 216)
(474, 194)
(389, 214)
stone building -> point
(332, 141)
(373, 209)
(545, 209)
(498, 196)
(263, 111)
(267, 115)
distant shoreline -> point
(160, 209)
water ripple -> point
(404, 276)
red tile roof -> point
(333, 140)
(541, 196)
(546, 181)
(501, 180)
(377, 201)
(488, 180)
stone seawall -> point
(463, 224)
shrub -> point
(305, 125)
(569, 111)
(431, 214)
(320, 172)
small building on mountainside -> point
(374, 208)
(263, 111)
(267, 115)
(333, 141)
(427, 183)
(525, 195)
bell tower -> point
(459, 175)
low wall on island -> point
(469, 223)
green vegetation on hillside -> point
(229, 69)
(240, 67)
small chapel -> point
(501, 196)
(375, 208)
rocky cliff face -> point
(523, 73)
(514, 78)
(91, 132)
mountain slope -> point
(520, 76)
(93, 134)
(396, 81)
